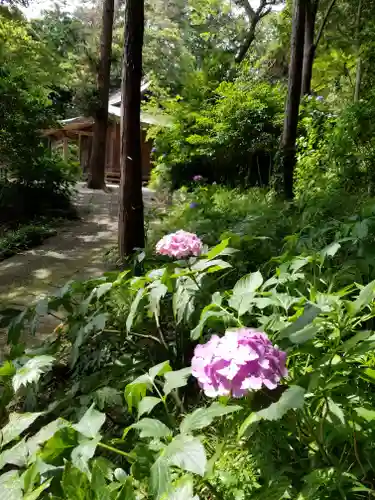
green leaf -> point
(11, 486)
(90, 423)
(304, 335)
(365, 297)
(184, 490)
(34, 495)
(7, 370)
(365, 413)
(335, 410)
(136, 390)
(353, 341)
(151, 427)
(330, 250)
(156, 293)
(134, 308)
(207, 313)
(45, 433)
(249, 421)
(18, 422)
(218, 249)
(75, 483)
(126, 492)
(159, 370)
(187, 453)
(108, 396)
(176, 379)
(210, 265)
(64, 439)
(160, 478)
(31, 371)
(18, 455)
(103, 289)
(147, 405)
(292, 398)
(82, 454)
(203, 417)
(243, 292)
(309, 314)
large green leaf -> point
(18, 422)
(220, 249)
(160, 478)
(203, 417)
(31, 371)
(18, 455)
(184, 490)
(292, 398)
(136, 390)
(176, 379)
(11, 486)
(147, 404)
(159, 370)
(156, 293)
(134, 308)
(304, 335)
(151, 427)
(45, 433)
(75, 483)
(83, 453)
(365, 297)
(243, 292)
(187, 453)
(207, 313)
(309, 314)
(126, 492)
(90, 423)
(211, 265)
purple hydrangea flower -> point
(241, 361)
(193, 204)
(180, 245)
(197, 178)
(320, 98)
(153, 150)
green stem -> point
(116, 450)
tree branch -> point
(324, 22)
(245, 4)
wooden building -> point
(78, 132)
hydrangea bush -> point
(240, 361)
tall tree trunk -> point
(358, 77)
(131, 222)
(288, 141)
(309, 45)
(98, 155)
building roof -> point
(114, 111)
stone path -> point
(76, 252)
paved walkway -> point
(76, 252)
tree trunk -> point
(98, 155)
(288, 141)
(309, 46)
(131, 223)
(358, 77)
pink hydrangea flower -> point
(197, 178)
(241, 361)
(180, 245)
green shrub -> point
(312, 438)
(336, 151)
(231, 139)
(15, 241)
